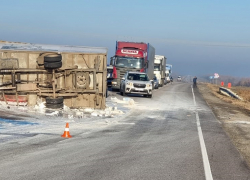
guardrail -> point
(229, 93)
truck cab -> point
(168, 73)
(159, 68)
(132, 56)
(109, 75)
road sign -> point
(216, 75)
(211, 77)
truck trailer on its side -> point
(160, 68)
(75, 76)
(132, 56)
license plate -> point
(137, 89)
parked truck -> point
(132, 56)
(74, 76)
(109, 75)
(168, 72)
(160, 68)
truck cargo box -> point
(75, 76)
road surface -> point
(172, 136)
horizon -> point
(197, 38)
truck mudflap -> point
(14, 98)
(80, 77)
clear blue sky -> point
(197, 37)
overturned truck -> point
(74, 76)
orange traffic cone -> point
(66, 132)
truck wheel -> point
(54, 103)
(52, 65)
(53, 58)
(57, 100)
(162, 83)
(81, 80)
(123, 92)
(55, 106)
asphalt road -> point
(173, 136)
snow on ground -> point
(34, 121)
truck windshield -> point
(136, 63)
(157, 68)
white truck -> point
(168, 73)
(160, 68)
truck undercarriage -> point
(77, 80)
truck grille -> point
(122, 71)
(139, 85)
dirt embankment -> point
(232, 113)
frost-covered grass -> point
(243, 92)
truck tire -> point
(53, 58)
(120, 90)
(123, 92)
(52, 65)
(81, 80)
(162, 82)
(54, 106)
(57, 100)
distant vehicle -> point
(168, 73)
(156, 83)
(179, 78)
(109, 75)
(136, 83)
(132, 56)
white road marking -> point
(206, 164)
